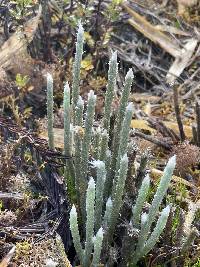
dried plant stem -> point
(198, 122)
(178, 115)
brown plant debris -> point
(187, 156)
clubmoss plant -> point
(107, 215)
(120, 118)
(124, 137)
(112, 74)
(190, 232)
(96, 143)
(90, 205)
(75, 233)
(88, 131)
(98, 239)
(117, 196)
(100, 198)
(154, 208)
(76, 68)
(79, 112)
(150, 243)
(104, 146)
(137, 208)
(92, 242)
(101, 177)
(67, 130)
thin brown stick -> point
(153, 140)
(198, 122)
(194, 134)
(177, 113)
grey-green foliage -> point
(100, 200)
(90, 205)
(123, 142)
(106, 218)
(75, 233)
(93, 242)
(110, 184)
(117, 196)
(189, 232)
(67, 131)
(101, 177)
(150, 243)
(112, 74)
(84, 146)
(98, 239)
(104, 146)
(79, 112)
(88, 131)
(96, 143)
(120, 118)
(144, 223)
(137, 208)
(158, 197)
(76, 67)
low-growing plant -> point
(21, 8)
(98, 169)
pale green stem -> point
(77, 67)
(120, 118)
(101, 176)
(66, 106)
(97, 248)
(150, 243)
(88, 132)
(107, 214)
(90, 203)
(80, 181)
(96, 143)
(112, 74)
(117, 197)
(124, 137)
(158, 197)
(104, 145)
(142, 194)
(75, 233)
(79, 112)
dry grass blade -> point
(182, 55)
(151, 32)
(172, 30)
(6, 260)
(181, 62)
(142, 124)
